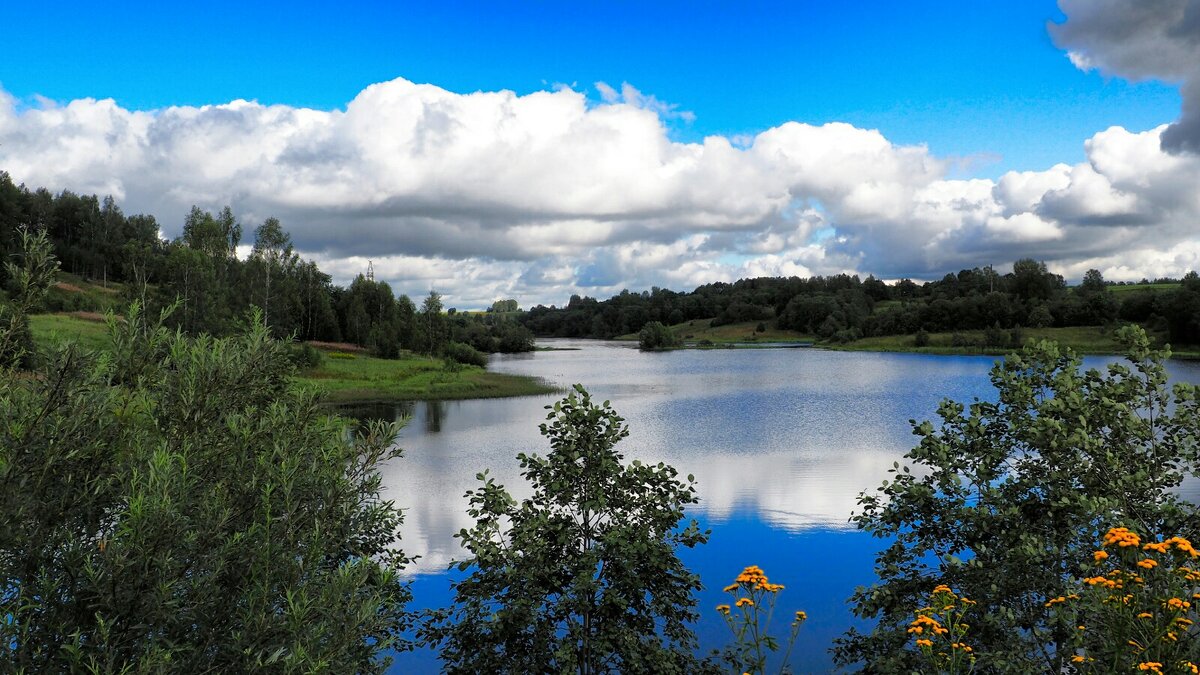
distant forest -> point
(844, 308)
(96, 241)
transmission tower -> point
(370, 271)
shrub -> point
(342, 356)
(1137, 609)
(181, 506)
(921, 339)
(1008, 493)
(304, 356)
(655, 336)
(583, 575)
(466, 354)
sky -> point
(539, 150)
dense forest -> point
(844, 308)
(95, 240)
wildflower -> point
(1145, 615)
(1190, 667)
(1122, 537)
(745, 602)
(1152, 666)
(1160, 547)
(731, 588)
(1148, 563)
(1100, 555)
(1176, 603)
(801, 616)
(924, 643)
(724, 609)
(1078, 658)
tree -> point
(179, 505)
(434, 324)
(30, 280)
(654, 335)
(1005, 500)
(582, 576)
(273, 250)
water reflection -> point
(781, 443)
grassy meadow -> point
(342, 375)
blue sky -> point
(469, 147)
(980, 80)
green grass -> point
(1082, 339)
(1142, 287)
(72, 293)
(367, 378)
(699, 329)
(58, 328)
(360, 378)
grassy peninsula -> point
(345, 373)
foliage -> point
(749, 617)
(1138, 610)
(939, 632)
(305, 356)
(1005, 497)
(583, 575)
(178, 505)
(654, 335)
(30, 282)
(466, 354)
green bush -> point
(304, 356)
(654, 336)
(584, 575)
(1004, 498)
(466, 354)
(180, 505)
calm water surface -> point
(781, 442)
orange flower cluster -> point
(754, 577)
(1121, 536)
(925, 622)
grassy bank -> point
(342, 376)
(1081, 339)
(357, 377)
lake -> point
(781, 442)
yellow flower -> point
(1100, 555)
(745, 602)
(1176, 603)
(924, 643)
(724, 609)
(1148, 563)
(1152, 666)
(1145, 615)
(731, 588)
(801, 615)
(1078, 658)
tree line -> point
(845, 307)
(201, 269)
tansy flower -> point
(801, 616)
(924, 643)
(724, 609)
(1100, 555)
(745, 602)
(1148, 563)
